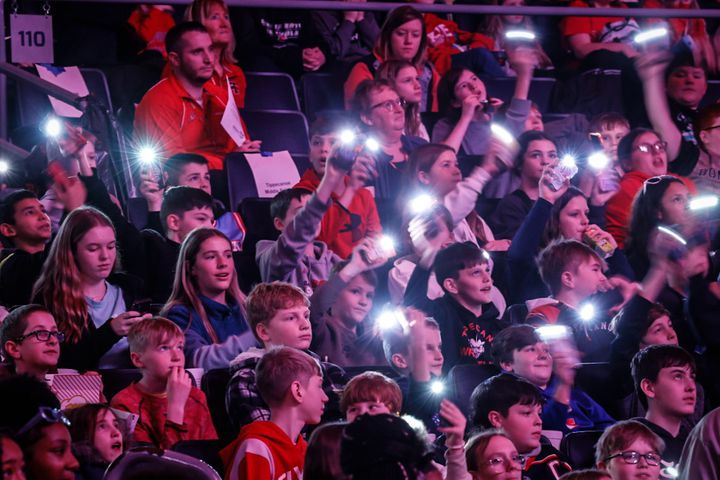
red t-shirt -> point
(593, 26)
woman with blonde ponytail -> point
(206, 301)
(90, 309)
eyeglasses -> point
(712, 128)
(502, 463)
(390, 105)
(632, 458)
(44, 415)
(658, 147)
(42, 336)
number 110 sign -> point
(31, 38)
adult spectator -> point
(178, 112)
(701, 454)
(706, 173)
(348, 35)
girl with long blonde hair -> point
(206, 301)
(74, 287)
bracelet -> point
(455, 447)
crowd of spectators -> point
(456, 288)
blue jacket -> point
(583, 413)
(232, 329)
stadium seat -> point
(541, 90)
(270, 91)
(516, 314)
(116, 379)
(205, 450)
(137, 212)
(463, 379)
(279, 130)
(256, 212)
(322, 92)
(713, 93)
(579, 448)
(145, 463)
(214, 384)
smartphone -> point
(595, 140)
(141, 306)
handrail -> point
(559, 11)
(43, 85)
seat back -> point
(541, 90)
(322, 92)
(206, 450)
(516, 314)
(279, 130)
(579, 448)
(270, 91)
(463, 379)
(150, 463)
(117, 379)
(214, 384)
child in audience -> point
(573, 272)
(92, 308)
(467, 317)
(296, 256)
(97, 438)
(567, 408)
(664, 378)
(370, 393)
(403, 77)
(352, 214)
(206, 301)
(278, 315)
(170, 409)
(514, 405)
(629, 450)
(609, 128)
(31, 341)
(322, 460)
(491, 454)
(340, 310)
(11, 458)
(30, 410)
(24, 223)
(290, 382)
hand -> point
(250, 146)
(564, 366)
(178, 390)
(652, 65)
(425, 248)
(313, 59)
(87, 159)
(363, 170)
(455, 430)
(351, 16)
(696, 262)
(545, 190)
(598, 198)
(626, 288)
(122, 323)
(151, 191)
(71, 140)
(523, 60)
(71, 192)
(470, 105)
(598, 234)
(499, 156)
(498, 245)
(366, 255)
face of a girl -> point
(218, 25)
(674, 204)
(444, 175)
(12, 461)
(646, 158)
(96, 253)
(513, 20)
(499, 461)
(51, 458)
(574, 218)
(539, 154)
(405, 40)
(407, 85)
(214, 267)
(468, 84)
(108, 439)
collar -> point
(489, 310)
(211, 306)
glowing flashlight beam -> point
(651, 34)
(437, 387)
(4, 167)
(421, 203)
(587, 312)
(53, 127)
(672, 234)
(502, 133)
(598, 161)
(347, 136)
(703, 202)
(552, 332)
(372, 145)
(520, 35)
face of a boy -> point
(674, 391)
(474, 284)
(289, 327)
(619, 470)
(433, 345)
(354, 302)
(295, 206)
(34, 354)
(660, 332)
(589, 277)
(157, 361)
(532, 362)
(357, 409)
(31, 222)
(195, 175)
(523, 425)
(610, 138)
(192, 219)
(320, 146)
(314, 400)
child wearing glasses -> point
(629, 450)
(30, 340)
(491, 454)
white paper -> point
(273, 174)
(231, 119)
(69, 78)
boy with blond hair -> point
(278, 314)
(290, 381)
(169, 407)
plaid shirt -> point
(245, 405)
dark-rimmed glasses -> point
(390, 105)
(42, 336)
(632, 457)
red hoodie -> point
(263, 451)
(445, 39)
(341, 229)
